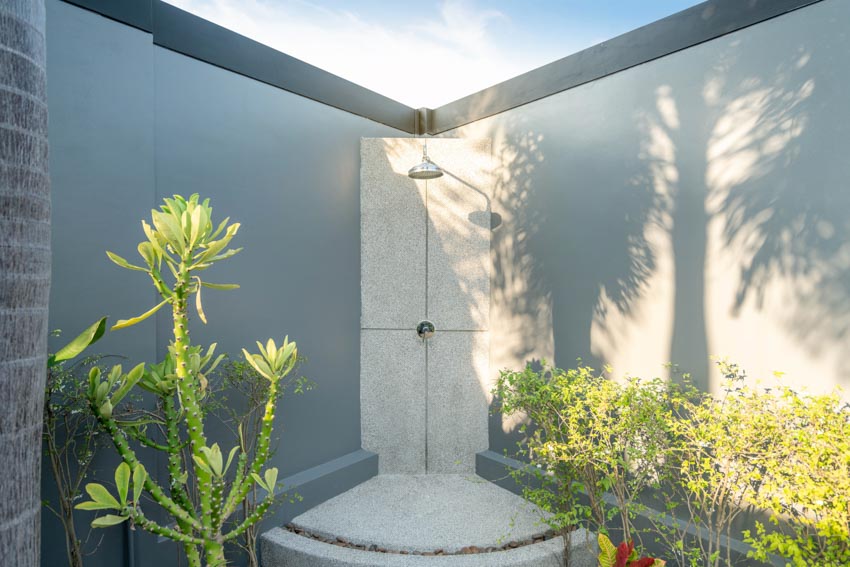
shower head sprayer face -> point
(425, 170)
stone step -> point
(423, 520)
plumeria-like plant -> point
(185, 241)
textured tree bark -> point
(24, 275)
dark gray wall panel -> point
(101, 160)
(190, 35)
(100, 96)
(186, 33)
(287, 168)
(136, 13)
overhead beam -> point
(701, 23)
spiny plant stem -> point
(240, 491)
(175, 463)
(129, 457)
(194, 422)
(184, 238)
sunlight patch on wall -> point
(637, 343)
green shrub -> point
(705, 459)
(713, 468)
(70, 433)
(806, 482)
(590, 436)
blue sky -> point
(473, 43)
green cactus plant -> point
(184, 239)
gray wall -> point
(695, 205)
(131, 123)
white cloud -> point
(425, 63)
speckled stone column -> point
(24, 275)
(425, 255)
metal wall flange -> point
(425, 329)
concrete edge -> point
(322, 482)
(280, 548)
(688, 28)
(499, 470)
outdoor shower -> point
(427, 169)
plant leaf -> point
(230, 458)
(139, 476)
(624, 551)
(195, 232)
(106, 409)
(222, 286)
(224, 255)
(79, 344)
(94, 380)
(148, 253)
(169, 226)
(124, 263)
(271, 479)
(124, 323)
(100, 391)
(213, 458)
(260, 482)
(122, 482)
(129, 380)
(255, 362)
(219, 229)
(108, 520)
(99, 494)
(92, 505)
(607, 551)
(200, 463)
(199, 306)
(156, 239)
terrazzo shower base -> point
(424, 520)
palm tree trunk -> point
(24, 275)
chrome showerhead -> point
(425, 170)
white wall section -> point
(692, 206)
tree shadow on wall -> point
(781, 186)
(594, 209)
(569, 249)
(566, 252)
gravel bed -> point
(469, 550)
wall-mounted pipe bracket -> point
(423, 121)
